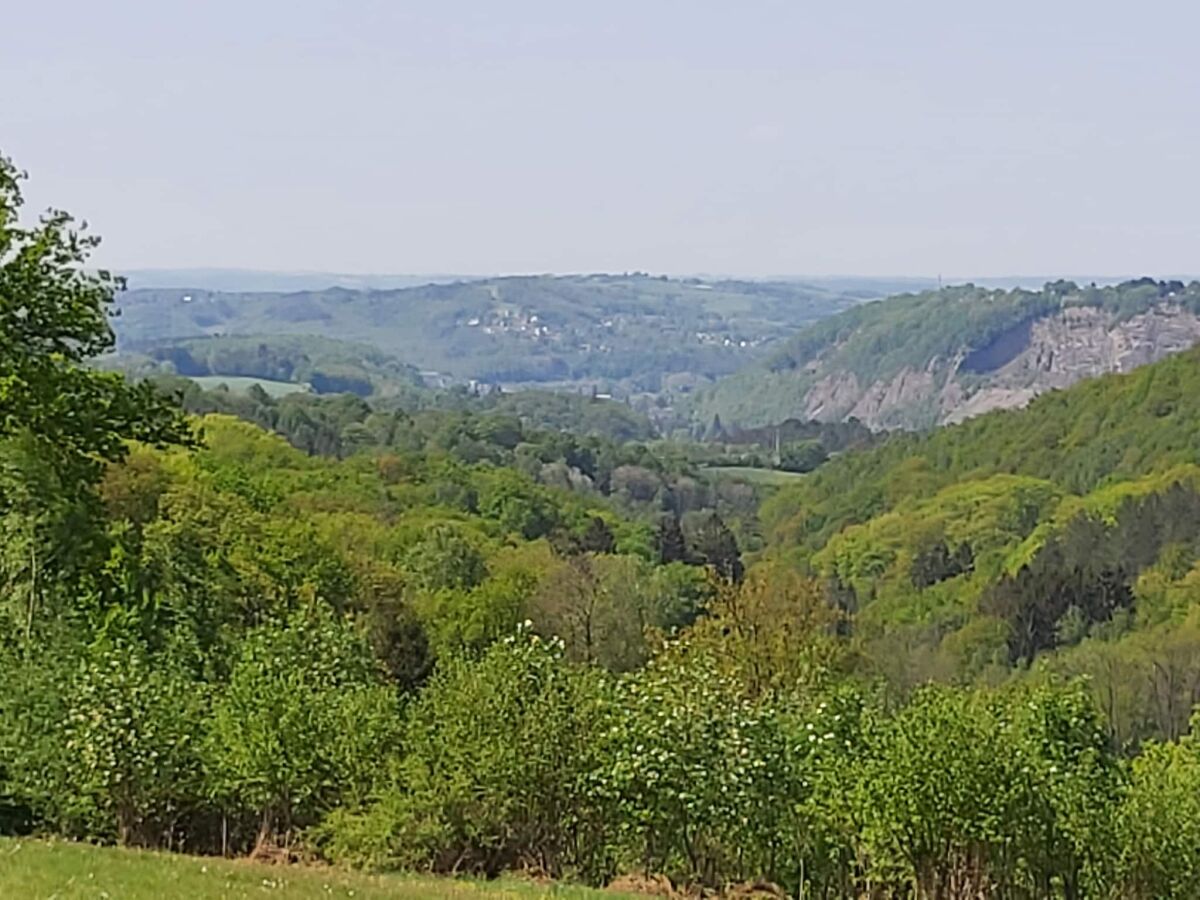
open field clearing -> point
(40, 870)
(239, 384)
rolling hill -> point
(628, 333)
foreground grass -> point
(40, 870)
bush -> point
(494, 775)
(708, 784)
(1160, 823)
(301, 725)
(982, 793)
(103, 747)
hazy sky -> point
(741, 136)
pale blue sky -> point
(745, 136)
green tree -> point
(494, 774)
(670, 544)
(61, 421)
(300, 726)
(53, 317)
(937, 793)
(1160, 823)
(711, 542)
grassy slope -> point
(751, 475)
(64, 871)
(241, 383)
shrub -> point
(301, 725)
(494, 773)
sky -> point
(757, 138)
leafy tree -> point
(938, 794)
(711, 541)
(670, 542)
(60, 420)
(400, 641)
(467, 620)
(1160, 823)
(938, 562)
(775, 633)
(446, 558)
(53, 317)
(35, 763)
(803, 456)
(710, 785)
(518, 506)
(601, 608)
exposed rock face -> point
(909, 390)
(1049, 353)
(833, 397)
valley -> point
(752, 589)
(622, 335)
(696, 451)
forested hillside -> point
(627, 333)
(943, 356)
(457, 641)
(1067, 532)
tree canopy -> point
(53, 318)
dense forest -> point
(1064, 534)
(469, 640)
(317, 364)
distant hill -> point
(323, 365)
(633, 331)
(941, 356)
(282, 365)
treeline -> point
(681, 769)
(327, 366)
(789, 446)
(733, 756)
(340, 425)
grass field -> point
(750, 475)
(240, 384)
(39, 870)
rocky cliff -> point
(939, 358)
(1065, 348)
